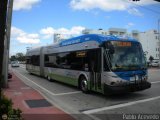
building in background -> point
(57, 37)
(117, 31)
(150, 43)
(135, 34)
(113, 31)
(110, 31)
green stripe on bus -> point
(64, 79)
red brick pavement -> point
(19, 92)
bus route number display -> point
(124, 44)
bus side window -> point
(35, 60)
(46, 58)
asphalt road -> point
(139, 105)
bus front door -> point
(95, 69)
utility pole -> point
(7, 43)
(3, 9)
(159, 39)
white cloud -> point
(135, 11)
(109, 5)
(24, 4)
(130, 24)
(49, 31)
(45, 33)
(16, 31)
(28, 39)
(24, 37)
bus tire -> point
(84, 85)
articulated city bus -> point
(105, 64)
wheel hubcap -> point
(84, 85)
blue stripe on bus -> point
(93, 37)
(127, 74)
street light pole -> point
(159, 39)
(3, 10)
(7, 42)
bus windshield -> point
(124, 55)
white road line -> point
(58, 94)
(155, 82)
(35, 83)
(120, 105)
(22, 66)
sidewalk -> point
(33, 105)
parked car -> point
(15, 64)
(155, 64)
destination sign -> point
(124, 44)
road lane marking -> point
(67, 93)
(35, 83)
(120, 105)
(22, 67)
(54, 94)
(155, 82)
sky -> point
(35, 21)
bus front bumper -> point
(126, 88)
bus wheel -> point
(84, 85)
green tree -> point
(13, 58)
(20, 57)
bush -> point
(7, 111)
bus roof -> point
(94, 37)
(82, 39)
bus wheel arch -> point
(83, 84)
